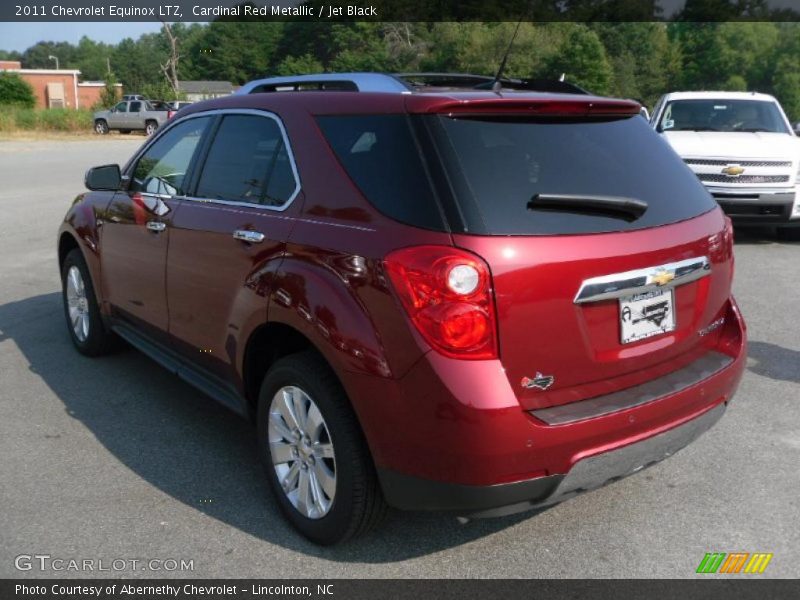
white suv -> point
(742, 147)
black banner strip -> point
(397, 10)
(744, 588)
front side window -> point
(722, 115)
(248, 162)
(121, 107)
(163, 167)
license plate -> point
(647, 314)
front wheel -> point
(150, 128)
(317, 460)
(81, 310)
(101, 127)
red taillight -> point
(170, 114)
(448, 295)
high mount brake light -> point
(447, 293)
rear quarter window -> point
(381, 156)
(496, 166)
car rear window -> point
(496, 166)
(381, 156)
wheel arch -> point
(266, 345)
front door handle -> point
(251, 237)
(156, 226)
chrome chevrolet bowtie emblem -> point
(541, 382)
(661, 277)
(733, 170)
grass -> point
(14, 119)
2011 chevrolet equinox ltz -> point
(426, 297)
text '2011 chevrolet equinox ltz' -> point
(441, 299)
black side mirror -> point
(105, 177)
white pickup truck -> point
(742, 147)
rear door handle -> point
(251, 237)
(156, 226)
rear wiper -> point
(620, 207)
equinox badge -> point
(541, 382)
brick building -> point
(57, 88)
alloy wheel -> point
(302, 452)
(77, 304)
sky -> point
(20, 36)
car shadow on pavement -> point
(773, 361)
(755, 236)
(193, 449)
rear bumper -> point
(590, 473)
(759, 207)
(451, 435)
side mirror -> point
(105, 177)
(797, 128)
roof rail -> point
(401, 83)
(485, 82)
(350, 82)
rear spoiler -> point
(520, 107)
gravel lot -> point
(114, 458)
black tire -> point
(150, 128)
(358, 505)
(101, 127)
(98, 340)
(789, 234)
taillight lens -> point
(447, 293)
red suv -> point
(444, 299)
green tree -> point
(299, 65)
(14, 90)
(581, 58)
(644, 61)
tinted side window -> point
(121, 107)
(381, 157)
(248, 162)
(135, 107)
(163, 167)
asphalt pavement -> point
(114, 459)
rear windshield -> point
(722, 115)
(496, 166)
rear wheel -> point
(84, 322)
(101, 127)
(150, 128)
(317, 460)
(789, 234)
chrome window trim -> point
(231, 111)
(628, 283)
